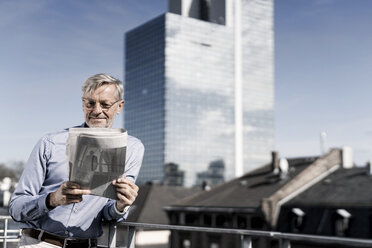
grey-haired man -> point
(54, 212)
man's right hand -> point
(67, 193)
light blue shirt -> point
(45, 171)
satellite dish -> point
(283, 165)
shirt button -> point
(75, 209)
(66, 232)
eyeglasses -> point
(90, 104)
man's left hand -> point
(126, 192)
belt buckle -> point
(66, 241)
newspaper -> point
(96, 156)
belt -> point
(58, 240)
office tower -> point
(199, 87)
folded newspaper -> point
(96, 156)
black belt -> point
(58, 240)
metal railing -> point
(8, 235)
(246, 236)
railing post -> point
(131, 237)
(245, 241)
(5, 232)
(112, 235)
(284, 243)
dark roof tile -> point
(344, 187)
(148, 207)
(246, 191)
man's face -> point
(101, 105)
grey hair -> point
(96, 81)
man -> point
(56, 213)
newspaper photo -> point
(96, 156)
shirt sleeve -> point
(26, 203)
(132, 168)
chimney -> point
(275, 161)
(347, 157)
(369, 168)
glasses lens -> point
(90, 104)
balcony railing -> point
(8, 235)
(246, 236)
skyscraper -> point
(199, 87)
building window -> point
(207, 220)
(191, 219)
(257, 223)
(174, 218)
(223, 221)
(241, 222)
(342, 222)
(296, 220)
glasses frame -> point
(100, 104)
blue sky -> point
(323, 76)
(323, 61)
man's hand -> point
(127, 192)
(67, 193)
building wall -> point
(144, 115)
(321, 220)
(180, 95)
(258, 81)
(235, 220)
(199, 95)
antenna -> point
(323, 141)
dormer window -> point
(297, 219)
(342, 222)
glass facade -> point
(179, 92)
(199, 96)
(258, 81)
(144, 94)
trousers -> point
(28, 242)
